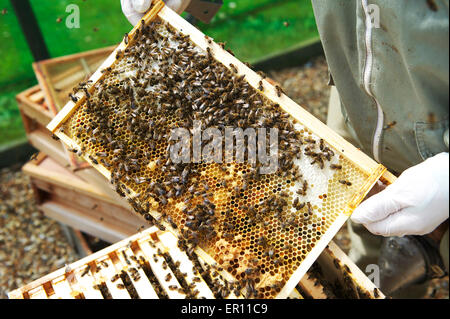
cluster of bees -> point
(173, 84)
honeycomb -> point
(257, 227)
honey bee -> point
(344, 182)
(279, 90)
(260, 86)
(115, 278)
(73, 98)
(233, 68)
(336, 263)
(86, 271)
(376, 293)
(34, 156)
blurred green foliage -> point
(251, 28)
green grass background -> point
(251, 28)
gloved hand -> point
(134, 9)
(415, 204)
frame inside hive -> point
(58, 76)
(367, 171)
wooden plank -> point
(81, 263)
(85, 284)
(106, 273)
(312, 287)
(53, 178)
(49, 170)
(47, 145)
(34, 112)
(43, 142)
(80, 220)
(356, 274)
(102, 213)
(160, 272)
(169, 244)
(38, 293)
(62, 288)
(295, 295)
(38, 96)
(143, 286)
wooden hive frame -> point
(373, 170)
(58, 76)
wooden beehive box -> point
(336, 202)
(57, 77)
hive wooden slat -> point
(143, 286)
(84, 284)
(62, 288)
(186, 265)
(333, 254)
(38, 293)
(81, 220)
(106, 274)
(313, 287)
(160, 272)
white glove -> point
(134, 9)
(415, 204)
